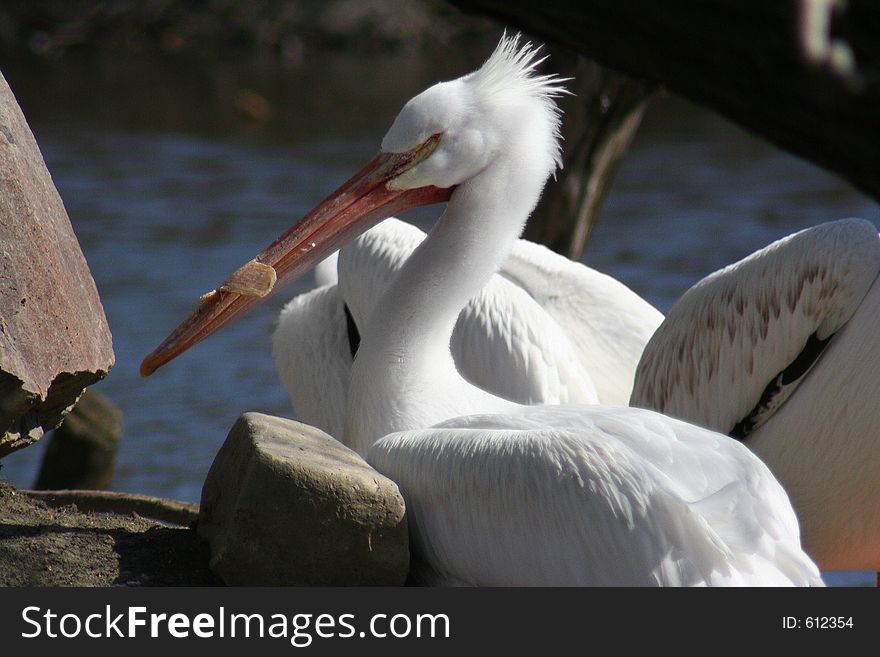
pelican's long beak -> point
(355, 207)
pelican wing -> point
(608, 324)
(504, 342)
(312, 355)
(739, 342)
(592, 495)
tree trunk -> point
(600, 119)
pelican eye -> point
(423, 150)
(408, 160)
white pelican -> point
(511, 494)
(781, 351)
(566, 334)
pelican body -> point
(543, 330)
(781, 351)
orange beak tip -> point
(146, 370)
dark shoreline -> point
(280, 29)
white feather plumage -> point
(735, 331)
(499, 493)
(591, 496)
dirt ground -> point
(63, 546)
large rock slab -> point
(54, 339)
(284, 504)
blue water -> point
(167, 200)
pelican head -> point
(441, 139)
(479, 117)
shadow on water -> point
(175, 173)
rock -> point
(82, 452)
(103, 501)
(54, 339)
(285, 504)
(53, 541)
(803, 75)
